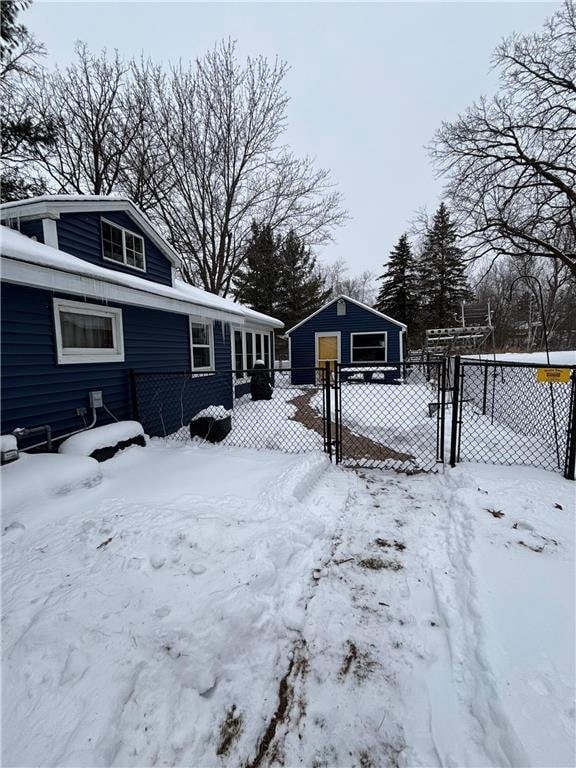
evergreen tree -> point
(256, 284)
(18, 63)
(441, 273)
(301, 290)
(397, 295)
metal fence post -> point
(455, 414)
(570, 459)
(337, 415)
(328, 409)
(442, 410)
(485, 392)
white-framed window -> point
(122, 246)
(88, 333)
(249, 346)
(369, 347)
(201, 345)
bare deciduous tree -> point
(198, 147)
(511, 160)
(96, 123)
(361, 287)
(220, 125)
(515, 306)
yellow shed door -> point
(327, 350)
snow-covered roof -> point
(51, 206)
(28, 262)
(353, 301)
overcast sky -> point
(369, 83)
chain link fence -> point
(397, 416)
(293, 420)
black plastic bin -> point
(211, 429)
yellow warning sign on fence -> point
(554, 375)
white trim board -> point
(352, 301)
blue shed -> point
(345, 331)
(90, 293)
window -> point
(122, 246)
(250, 346)
(88, 333)
(202, 347)
(239, 354)
(369, 347)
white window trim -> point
(368, 333)
(253, 332)
(130, 232)
(210, 325)
(88, 354)
(320, 334)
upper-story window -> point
(122, 246)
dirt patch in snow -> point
(354, 446)
(399, 546)
(359, 663)
(297, 668)
(230, 730)
(377, 564)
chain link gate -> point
(390, 416)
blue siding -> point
(356, 319)
(80, 235)
(32, 228)
(36, 390)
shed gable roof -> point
(352, 301)
(51, 206)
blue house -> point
(90, 294)
(345, 331)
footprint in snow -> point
(13, 531)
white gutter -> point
(38, 276)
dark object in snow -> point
(211, 429)
(260, 384)
(495, 512)
(103, 454)
(104, 543)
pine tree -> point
(256, 284)
(18, 54)
(301, 290)
(397, 295)
(441, 273)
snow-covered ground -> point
(563, 357)
(216, 606)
